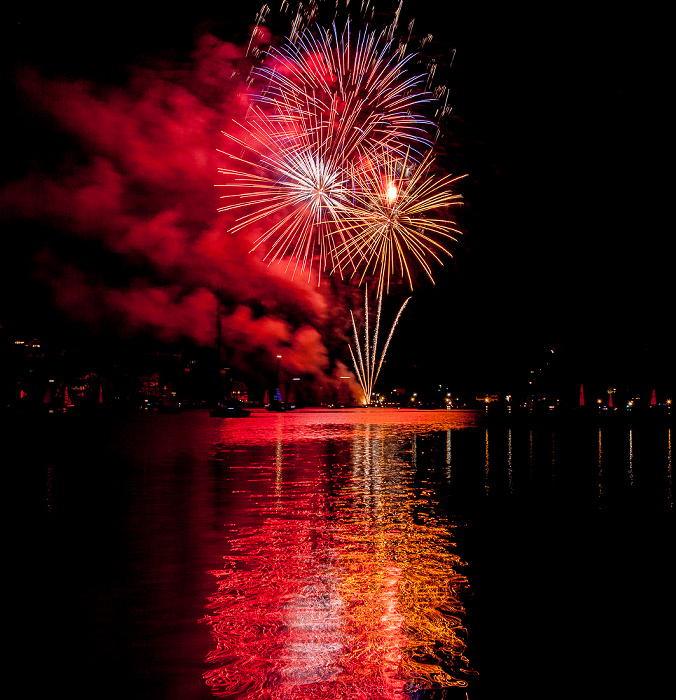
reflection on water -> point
(510, 472)
(323, 552)
(600, 463)
(630, 457)
(346, 583)
(341, 577)
(669, 477)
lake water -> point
(339, 554)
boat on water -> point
(276, 402)
(230, 409)
(279, 406)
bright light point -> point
(391, 193)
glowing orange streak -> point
(368, 367)
(382, 231)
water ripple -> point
(347, 584)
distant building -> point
(150, 385)
(239, 391)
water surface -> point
(357, 554)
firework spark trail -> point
(390, 220)
(367, 372)
(323, 101)
(336, 159)
(362, 94)
(299, 187)
(360, 374)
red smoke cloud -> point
(135, 180)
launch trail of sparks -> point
(367, 366)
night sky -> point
(107, 204)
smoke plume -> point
(126, 193)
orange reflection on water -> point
(669, 475)
(346, 587)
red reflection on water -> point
(345, 584)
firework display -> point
(295, 192)
(392, 220)
(354, 93)
(367, 365)
(332, 167)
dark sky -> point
(558, 119)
